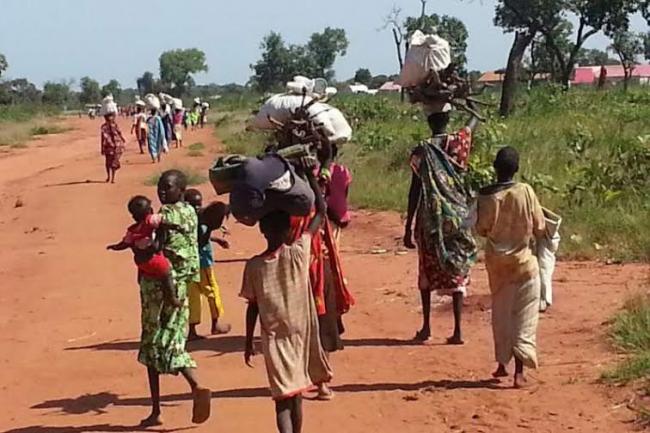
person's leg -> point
(113, 172)
(210, 289)
(324, 391)
(194, 297)
(457, 337)
(201, 396)
(296, 414)
(108, 172)
(520, 378)
(154, 387)
(283, 415)
(501, 371)
(425, 333)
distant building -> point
(389, 87)
(492, 77)
(589, 75)
(356, 88)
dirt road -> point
(69, 323)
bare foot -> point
(501, 372)
(220, 329)
(422, 335)
(324, 393)
(201, 409)
(152, 420)
(194, 337)
(521, 382)
(455, 340)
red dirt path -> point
(69, 323)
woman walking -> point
(156, 141)
(112, 146)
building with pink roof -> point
(589, 75)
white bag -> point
(279, 107)
(338, 129)
(165, 98)
(108, 106)
(546, 249)
(177, 104)
(426, 53)
(152, 101)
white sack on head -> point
(177, 104)
(108, 106)
(426, 53)
(152, 101)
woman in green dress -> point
(164, 327)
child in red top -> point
(147, 253)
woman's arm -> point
(321, 208)
(252, 312)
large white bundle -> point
(166, 99)
(300, 84)
(337, 127)
(108, 106)
(177, 104)
(152, 101)
(546, 250)
(426, 53)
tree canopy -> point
(177, 68)
(4, 65)
(363, 76)
(56, 93)
(628, 46)
(90, 91)
(281, 62)
(146, 83)
(114, 88)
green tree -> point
(90, 91)
(114, 88)
(23, 92)
(323, 49)
(378, 81)
(595, 57)
(280, 63)
(363, 76)
(628, 46)
(4, 65)
(177, 68)
(56, 94)
(646, 46)
(146, 84)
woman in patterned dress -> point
(438, 201)
(164, 327)
(112, 146)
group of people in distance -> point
(155, 128)
(506, 213)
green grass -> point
(586, 153)
(630, 334)
(194, 177)
(195, 150)
(47, 129)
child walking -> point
(276, 284)
(139, 127)
(210, 219)
(146, 248)
(112, 146)
(510, 217)
(164, 326)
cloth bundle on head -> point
(263, 185)
(177, 104)
(316, 87)
(426, 53)
(197, 101)
(205, 105)
(152, 101)
(108, 106)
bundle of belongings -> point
(309, 96)
(152, 102)
(431, 77)
(274, 180)
(108, 106)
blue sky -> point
(67, 39)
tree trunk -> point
(511, 79)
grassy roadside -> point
(630, 334)
(18, 124)
(586, 153)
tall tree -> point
(177, 68)
(628, 46)
(323, 48)
(595, 57)
(23, 92)
(363, 76)
(4, 65)
(271, 71)
(90, 91)
(146, 84)
(57, 94)
(114, 88)
(646, 46)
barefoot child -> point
(276, 284)
(210, 219)
(164, 327)
(510, 217)
(147, 254)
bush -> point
(586, 153)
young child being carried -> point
(147, 251)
